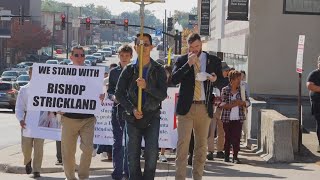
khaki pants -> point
(27, 144)
(216, 123)
(71, 129)
(197, 119)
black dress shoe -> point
(36, 175)
(190, 159)
(220, 155)
(28, 168)
(236, 160)
(226, 159)
(210, 156)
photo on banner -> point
(47, 125)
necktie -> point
(197, 87)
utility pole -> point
(165, 30)
(67, 53)
(79, 29)
(53, 31)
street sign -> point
(193, 19)
(76, 23)
(205, 18)
(300, 51)
(238, 10)
(158, 32)
(154, 1)
(5, 13)
(107, 23)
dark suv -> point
(8, 94)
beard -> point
(199, 53)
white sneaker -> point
(104, 155)
(94, 153)
(162, 158)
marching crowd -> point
(212, 104)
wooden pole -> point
(141, 43)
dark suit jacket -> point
(184, 74)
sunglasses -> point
(145, 45)
(78, 55)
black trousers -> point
(317, 117)
(58, 155)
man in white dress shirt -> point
(28, 143)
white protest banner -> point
(47, 125)
(168, 129)
(103, 130)
(65, 88)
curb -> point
(6, 168)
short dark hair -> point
(193, 37)
(126, 49)
(76, 47)
(145, 35)
(243, 72)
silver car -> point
(9, 75)
(8, 94)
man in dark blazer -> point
(197, 72)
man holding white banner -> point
(74, 92)
(73, 125)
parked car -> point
(65, 62)
(108, 51)
(99, 57)
(9, 75)
(114, 50)
(8, 94)
(117, 45)
(93, 49)
(92, 59)
(23, 80)
(28, 63)
(52, 61)
(87, 62)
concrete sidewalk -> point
(252, 167)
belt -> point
(198, 102)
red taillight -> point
(11, 91)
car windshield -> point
(9, 73)
(5, 86)
(106, 49)
(28, 63)
(90, 57)
(97, 54)
(23, 78)
(52, 62)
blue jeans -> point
(119, 158)
(133, 149)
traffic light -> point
(63, 21)
(88, 23)
(126, 24)
(170, 24)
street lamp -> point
(178, 37)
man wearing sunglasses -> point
(145, 123)
(74, 125)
